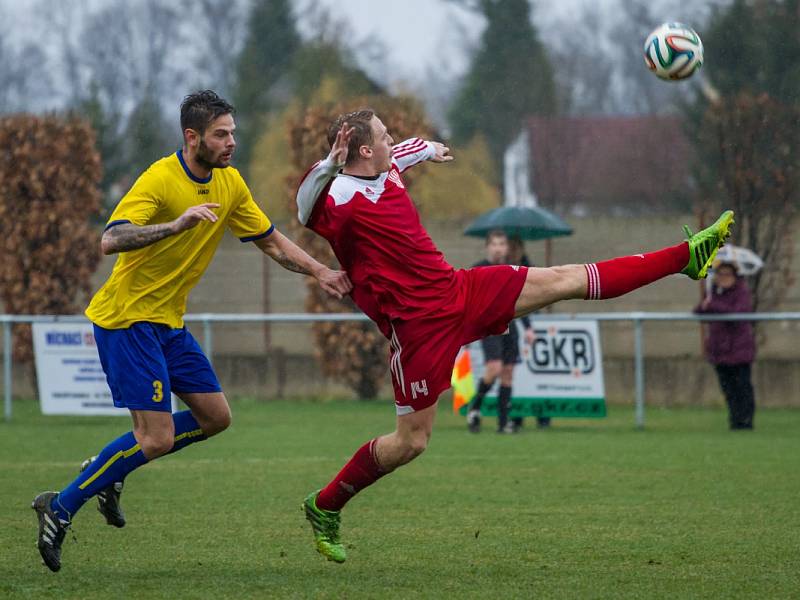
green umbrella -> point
(526, 223)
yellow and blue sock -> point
(115, 461)
(187, 430)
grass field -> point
(588, 509)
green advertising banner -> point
(582, 408)
(560, 374)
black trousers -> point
(738, 389)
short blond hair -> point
(361, 121)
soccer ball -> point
(673, 51)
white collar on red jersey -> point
(345, 187)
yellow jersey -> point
(153, 283)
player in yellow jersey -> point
(166, 230)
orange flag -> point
(462, 380)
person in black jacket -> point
(517, 256)
(501, 352)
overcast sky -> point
(418, 34)
(423, 45)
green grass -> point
(589, 509)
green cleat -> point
(703, 245)
(325, 524)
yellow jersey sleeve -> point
(247, 221)
(142, 201)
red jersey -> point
(375, 232)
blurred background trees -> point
(263, 64)
(510, 78)
(729, 132)
(747, 133)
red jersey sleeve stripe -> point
(406, 145)
(404, 149)
(408, 142)
(410, 151)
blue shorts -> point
(147, 361)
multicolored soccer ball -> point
(673, 51)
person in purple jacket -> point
(730, 345)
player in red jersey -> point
(356, 200)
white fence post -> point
(639, 368)
(208, 339)
(8, 356)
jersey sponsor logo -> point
(201, 191)
(419, 388)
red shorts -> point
(424, 349)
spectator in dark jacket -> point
(500, 352)
(730, 345)
(517, 256)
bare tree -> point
(129, 51)
(117, 52)
(220, 26)
(751, 145)
(24, 70)
(584, 72)
(598, 53)
(62, 22)
(22, 76)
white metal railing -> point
(637, 318)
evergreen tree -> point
(108, 142)
(510, 79)
(147, 137)
(753, 47)
(315, 62)
(271, 43)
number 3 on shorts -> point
(158, 391)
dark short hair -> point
(496, 233)
(201, 108)
(360, 121)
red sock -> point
(618, 276)
(362, 470)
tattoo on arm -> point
(128, 236)
(289, 264)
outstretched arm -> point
(320, 174)
(293, 258)
(127, 236)
(441, 153)
(416, 150)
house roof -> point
(609, 162)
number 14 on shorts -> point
(419, 388)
